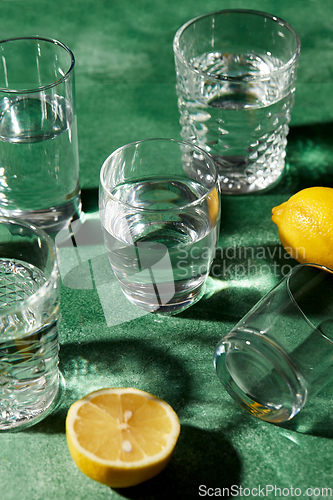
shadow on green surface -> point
(89, 198)
(225, 306)
(238, 281)
(316, 418)
(310, 158)
(309, 161)
(201, 458)
(117, 363)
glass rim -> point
(159, 139)
(50, 280)
(49, 85)
(275, 19)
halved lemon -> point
(121, 436)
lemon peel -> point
(305, 225)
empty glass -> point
(281, 353)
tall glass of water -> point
(29, 313)
(39, 165)
(236, 73)
(160, 211)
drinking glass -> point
(281, 353)
(160, 210)
(236, 72)
(29, 313)
(39, 164)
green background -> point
(125, 91)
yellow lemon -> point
(121, 436)
(305, 224)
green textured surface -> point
(125, 91)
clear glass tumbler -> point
(280, 354)
(39, 164)
(160, 211)
(29, 313)
(236, 73)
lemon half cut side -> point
(121, 436)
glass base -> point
(178, 303)
(235, 176)
(52, 219)
(18, 421)
(260, 377)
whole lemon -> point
(305, 225)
